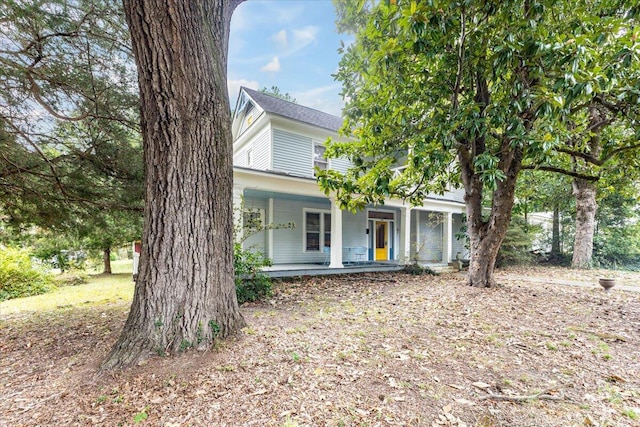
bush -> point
(19, 277)
(418, 270)
(251, 283)
(517, 244)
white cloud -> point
(234, 87)
(241, 18)
(305, 36)
(273, 66)
(323, 98)
(288, 14)
(280, 38)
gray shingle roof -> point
(293, 111)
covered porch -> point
(378, 238)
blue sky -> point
(291, 44)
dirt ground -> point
(374, 350)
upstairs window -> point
(318, 156)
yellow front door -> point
(381, 241)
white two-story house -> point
(276, 146)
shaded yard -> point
(376, 350)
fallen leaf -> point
(480, 385)
(465, 402)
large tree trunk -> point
(585, 194)
(586, 206)
(486, 236)
(185, 293)
(106, 260)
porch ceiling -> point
(259, 194)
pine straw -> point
(383, 350)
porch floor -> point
(294, 270)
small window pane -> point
(313, 241)
(318, 151)
(313, 222)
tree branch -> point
(562, 172)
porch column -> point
(270, 230)
(447, 238)
(336, 235)
(405, 235)
(238, 193)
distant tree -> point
(185, 292)
(439, 93)
(539, 191)
(275, 91)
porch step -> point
(442, 268)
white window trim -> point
(304, 228)
(315, 142)
(249, 154)
(381, 210)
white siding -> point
(292, 153)
(288, 243)
(354, 234)
(261, 146)
(340, 165)
(430, 238)
(240, 158)
(258, 241)
(262, 150)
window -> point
(317, 230)
(318, 156)
(252, 219)
(250, 157)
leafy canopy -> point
(481, 88)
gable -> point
(246, 113)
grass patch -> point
(99, 290)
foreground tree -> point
(184, 295)
(433, 85)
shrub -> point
(517, 244)
(251, 283)
(19, 277)
(418, 270)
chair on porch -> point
(360, 253)
(327, 255)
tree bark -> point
(586, 206)
(106, 259)
(486, 236)
(585, 194)
(185, 292)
